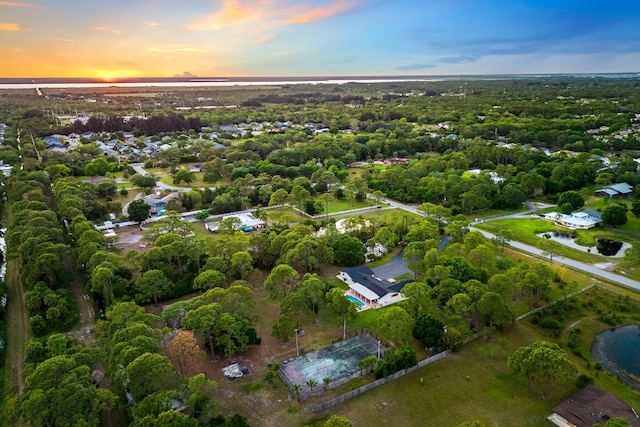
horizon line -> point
(196, 78)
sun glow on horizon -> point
(312, 37)
(109, 76)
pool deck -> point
(362, 306)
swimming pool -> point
(356, 300)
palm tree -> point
(325, 383)
(362, 364)
(312, 383)
(297, 388)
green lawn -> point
(390, 215)
(476, 384)
(345, 205)
(385, 258)
(525, 230)
(157, 171)
(491, 213)
(633, 222)
(197, 182)
(284, 215)
(356, 172)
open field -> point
(285, 215)
(474, 384)
(196, 183)
(345, 205)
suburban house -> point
(621, 189)
(391, 161)
(342, 226)
(369, 290)
(54, 143)
(5, 169)
(495, 178)
(159, 204)
(590, 406)
(581, 220)
(247, 223)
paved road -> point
(577, 265)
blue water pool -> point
(356, 300)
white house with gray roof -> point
(576, 220)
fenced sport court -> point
(339, 362)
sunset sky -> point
(163, 38)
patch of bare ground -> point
(130, 239)
(606, 266)
(262, 403)
(86, 314)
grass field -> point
(197, 182)
(284, 215)
(476, 384)
(345, 205)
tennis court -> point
(339, 362)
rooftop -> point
(592, 405)
(365, 277)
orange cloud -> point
(321, 12)
(264, 39)
(14, 4)
(109, 29)
(181, 49)
(156, 24)
(232, 12)
(265, 14)
(11, 26)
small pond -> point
(619, 352)
(605, 247)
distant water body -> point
(62, 83)
(203, 82)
